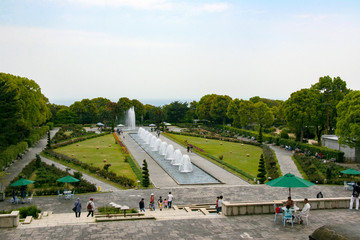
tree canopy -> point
(348, 121)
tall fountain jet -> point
(163, 147)
(130, 119)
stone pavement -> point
(286, 163)
(212, 227)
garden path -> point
(103, 186)
(286, 163)
(15, 168)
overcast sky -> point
(158, 51)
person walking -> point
(160, 201)
(165, 203)
(170, 200)
(90, 207)
(77, 208)
(218, 210)
(142, 205)
(355, 197)
(152, 202)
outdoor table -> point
(292, 209)
(67, 194)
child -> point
(160, 203)
(165, 203)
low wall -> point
(248, 208)
(9, 220)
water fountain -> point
(169, 152)
(162, 149)
(186, 165)
(157, 145)
(177, 157)
(173, 162)
(130, 119)
(153, 142)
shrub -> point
(11, 153)
(29, 211)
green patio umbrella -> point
(21, 182)
(350, 171)
(291, 181)
(68, 179)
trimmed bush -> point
(11, 153)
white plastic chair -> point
(276, 214)
(288, 218)
(59, 194)
(30, 198)
(346, 186)
(72, 194)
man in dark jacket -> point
(355, 196)
(142, 205)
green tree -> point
(204, 107)
(348, 120)
(139, 110)
(246, 113)
(233, 112)
(176, 111)
(263, 117)
(301, 110)
(331, 92)
(123, 105)
(262, 170)
(145, 175)
(157, 115)
(219, 108)
(191, 112)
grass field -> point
(233, 153)
(87, 152)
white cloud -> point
(28, 35)
(137, 4)
(215, 7)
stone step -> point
(28, 220)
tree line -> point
(327, 106)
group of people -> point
(90, 207)
(290, 214)
(218, 205)
(162, 203)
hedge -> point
(271, 163)
(11, 153)
(36, 134)
(134, 167)
(75, 140)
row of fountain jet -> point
(166, 150)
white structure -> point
(332, 142)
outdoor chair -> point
(302, 216)
(288, 219)
(59, 194)
(30, 198)
(276, 214)
(346, 186)
(17, 200)
(72, 194)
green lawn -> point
(233, 153)
(87, 152)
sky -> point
(158, 51)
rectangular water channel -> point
(197, 176)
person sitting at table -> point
(289, 202)
(288, 213)
(304, 211)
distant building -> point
(332, 142)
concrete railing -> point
(9, 220)
(248, 208)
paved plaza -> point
(61, 223)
